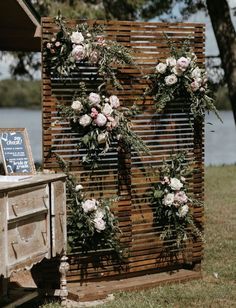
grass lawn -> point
(218, 286)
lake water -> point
(220, 143)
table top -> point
(39, 178)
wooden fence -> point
(126, 174)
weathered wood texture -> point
(126, 174)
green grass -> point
(219, 256)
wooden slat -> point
(122, 173)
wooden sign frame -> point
(17, 159)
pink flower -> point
(100, 120)
(114, 101)
(78, 52)
(94, 98)
(57, 44)
(49, 45)
(181, 197)
(101, 41)
(195, 86)
(182, 63)
(94, 56)
(94, 113)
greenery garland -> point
(172, 204)
(99, 120)
(91, 224)
(68, 48)
(180, 77)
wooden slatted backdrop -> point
(126, 174)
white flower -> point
(89, 205)
(168, 199)
(170, 80)
(85, 120)
(183, 210)
(171, 61)
(78, 52)
(177, 71)
(107, 109)
(175, 184)
(102, 138)
(77, 106)
(99, 224)
(76, 37)
(78, 187)
(196, 73)
(94, 98)
(161, 68)
(99, 214)
(114, 101)
(183, 63)
(100, 120)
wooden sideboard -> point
(32, 222)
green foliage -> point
(98, 119)
(91, 224)
(171, 203)
(20, 93)
(179, 77)
(68, 48)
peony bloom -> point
(94, 98)
(182, 63)
(171, 80)
(85, 120)
(107, 109)
(175, 184)
(99, 224)
(76, 37)
(168, 199)
(78, 187)
(161, 68)
(194, 86)
(171, 61)
(77, 106)
(183, 210)
(100, 120)
(78, 52)
(102, 138)
(94, 112)
(114, 101)
(89, 205)
(181, 197)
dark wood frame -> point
(27, 147)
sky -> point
(200, 17)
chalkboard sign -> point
(16, 152)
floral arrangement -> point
(91, 224)
(179, 76)
(84, 44)
(172, 203)
(99, 119)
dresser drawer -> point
(25, 201)
(28, 238)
